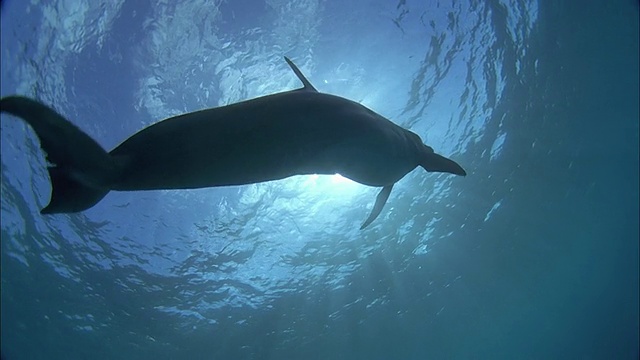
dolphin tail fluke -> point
(433, 162)
(79, 169)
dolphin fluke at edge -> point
(79, 168)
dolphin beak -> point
(433, 162)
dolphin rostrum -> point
(268, 138)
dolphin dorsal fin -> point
(305, 82)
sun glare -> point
(326, 185)
(337, 179)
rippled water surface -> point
(533, 255)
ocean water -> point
(533, 255)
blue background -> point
(534, 255)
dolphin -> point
(273, 137)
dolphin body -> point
(268, 138)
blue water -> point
(533, 255)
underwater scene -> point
(431, 180)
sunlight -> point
(331, 186)
(337, 179)
(307, 198)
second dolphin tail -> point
(80, 170)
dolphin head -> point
(432, 162)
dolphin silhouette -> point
(268, 138)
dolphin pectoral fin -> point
(305, 82)
(381, 199)
(433, 162)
